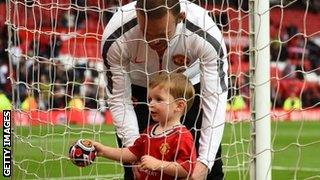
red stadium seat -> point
(297, 18)
(82, 48)
(2, 14)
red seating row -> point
(89, 48)
(281, 17)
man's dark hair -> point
(158, 8)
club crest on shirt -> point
(164, 148)
(180, 60)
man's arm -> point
(116, 56)
(120, 105)
(206, 43)
(213, 121)
(214, 107)
(119, 91)
(212, 52)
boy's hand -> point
(98, 146)
(149, 162)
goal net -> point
(57, 85)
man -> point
(149, 36)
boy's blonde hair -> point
(178, 85)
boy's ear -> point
(181, 105)
(181, 17)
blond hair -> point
(178, 85)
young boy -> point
(166, 149)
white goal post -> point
(259, 37)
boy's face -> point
(162, 105)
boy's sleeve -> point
(187, 155)
(138, 147)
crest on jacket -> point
(180, 60)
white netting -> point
(58, 86)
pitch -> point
(41, 152)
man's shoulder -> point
(193, 11)
(128, 7)
(124, 16)
(198, 18)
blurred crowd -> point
(41, 79)
(48, 83)
(294, 48)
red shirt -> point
(175, 145)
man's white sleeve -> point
(213, 102)
(119, 95)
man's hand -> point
(200, 171)
(149, 162)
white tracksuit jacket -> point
(197, 49)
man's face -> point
(157, 31)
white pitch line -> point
(111, 176)
(281, 168)
(119, 176)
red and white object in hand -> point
(82, 153)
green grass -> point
(41, 152)
(295, 150)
